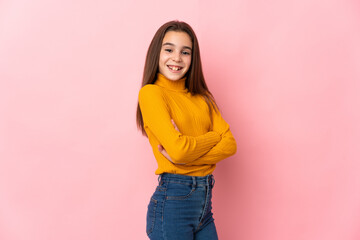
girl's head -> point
(174, 52)
(175, 55)
(156, 62)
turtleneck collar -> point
(178, 85)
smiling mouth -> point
(174, 68)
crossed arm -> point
(205, 149)
(223, 149)
(182, 148)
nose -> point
(177, 57)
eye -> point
(168, 50)
(185, 53)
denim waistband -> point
(205, 180)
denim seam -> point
(205, 207)
(154, 216)
(165, 182)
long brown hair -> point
(195, 81)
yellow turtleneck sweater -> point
(197, 148)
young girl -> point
(178, 114)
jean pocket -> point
(150, 216)
(179, 191)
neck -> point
(178, 85)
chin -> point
(174, 77)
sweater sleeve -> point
(156, 116)
(223, 149)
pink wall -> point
(285, 73)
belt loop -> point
(159, 178)
(194, 182)
(213, 180)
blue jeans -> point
(180, 208)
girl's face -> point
(175, 55)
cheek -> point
(188, 62)
(163, 58)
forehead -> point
(179, 39)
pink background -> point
(286, 75)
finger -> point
(175, 126)
(163, 152)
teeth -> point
(174, 68)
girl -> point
(178, 114)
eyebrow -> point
(173, 45)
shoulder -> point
(151, 91)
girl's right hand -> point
(162, 149)
(163, 152)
